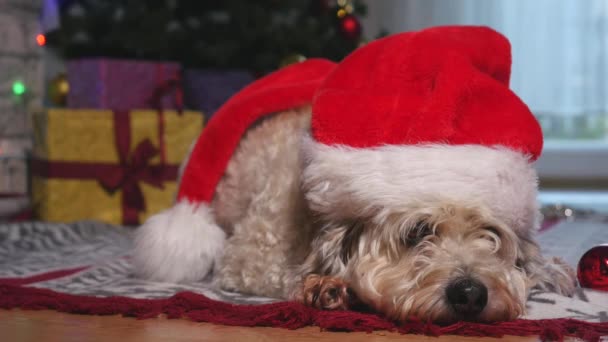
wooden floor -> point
(48, 326)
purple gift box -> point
(206, 90)
(122, 84)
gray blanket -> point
(95, 258)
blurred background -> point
(67, 67)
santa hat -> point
(420, 118)
(414, 116)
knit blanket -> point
(85, 267)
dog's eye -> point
(417, 234)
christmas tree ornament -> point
(350, 27)
(19, 88)
(593, 268)
(345, 7)
(58, 90)
(291, 59)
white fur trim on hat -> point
(179, 244)
(342, 181)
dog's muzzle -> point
(467, 297)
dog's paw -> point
(554, 275)
(327, 293)
(564, 276)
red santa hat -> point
(420, 118)
(414, 116)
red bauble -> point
(350, 27)
(593, 268)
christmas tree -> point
(256, 35)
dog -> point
(432, 231)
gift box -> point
(206, 90)
(123, 84)
(117, 167)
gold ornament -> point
(291, 59)
(58, 90)
(345, 7)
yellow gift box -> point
(117, 167)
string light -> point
(19, 88)
(41, 39)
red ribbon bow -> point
(133, 170)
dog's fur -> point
(287, 237)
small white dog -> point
(407, 186)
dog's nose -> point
(467, 296)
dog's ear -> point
(548, 275)
(332, 249)
(350, 240)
